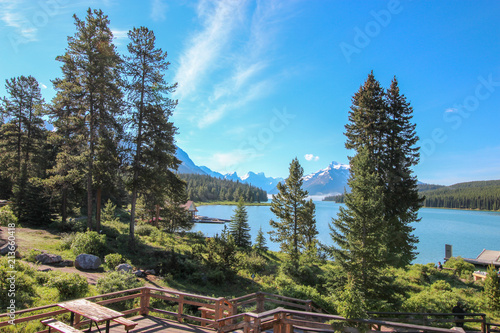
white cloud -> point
(451, 110)
(311, 157)
(158, 10)
(228, 162)
(119, 35)
(15, 15)
(43, 86)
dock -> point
(206, 219)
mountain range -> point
(329, 181)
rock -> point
(87, 261)
(7, 248)
(18, 255)
(48, 258)
(65, 263)
(44, 270)
(124, 267)
(150, 272)
(139, 273)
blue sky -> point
(262, 82)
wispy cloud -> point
(227, 162)
(158, 10)
(119, 36)
(14, 14)
(450, 110)
(228, 64)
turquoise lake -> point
(469, 232)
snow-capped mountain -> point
(329, 181)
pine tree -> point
(260, 241)
(360, 248)
(94, 64)
(401, 198)
(293, 213)
(153, 132)
(239, 227)
(491, 293)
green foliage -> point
(89, 242)
(463, 268)
(116, 281)
(221, 253)
(239, 227)
(351, 305)
(482, 195)
(19, 286)
(31, 255)
(7, 216)
(296, 226)
(108, 212)
(491, 293)
(69, 285)
(113, 260)
(145, 229)
(204, 188)
(67, 240)
(431, 300)
(253, 263)
(260, 242)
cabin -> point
(190, 208)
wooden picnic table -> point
(93, 311)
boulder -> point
(150, 272)
(139, 273)
(48, 258)
(124, 267)
(5, 249)
(65, 263)
(87, 261)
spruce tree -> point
(491, 293)
(152, 131)
(239, 227)
(293, 212)
(360, 241)
(94, 64)
(401, 197)
(260, 241)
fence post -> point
(260, 302)
(484, 327)
(145, 296)
(180, 308)
(309, 306)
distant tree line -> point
(205, 188)
(483, 195)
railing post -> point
(246, 327)
(218, 309)
(484, 327)
(145, 297)
(309, 306)
(277, 323)
(180, 308)
(260, 302)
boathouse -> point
(486, 258)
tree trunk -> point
(98, 209)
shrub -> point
(145, 230)
(113, 260)
(22, 280)
(67, 240)
(69, 285)
(254, 263)
(116, 281)
(463, 268)
(7, 216)
(31, 255)
(441, 285)
(89, 242)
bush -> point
(7, 216)
(145, 230)
(463, 268)
(113, 260)
(89, 242)
(254, 263)
(69, 285)
(31, 255)
(116, 281)
(23, 281)
(67, 240)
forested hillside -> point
(482, 195)
(206, 188)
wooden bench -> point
(59, 326)
(129, 324)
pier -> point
(206, 219)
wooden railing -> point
(222, 314)
(220, 306)
(433, 318)
(282, 320)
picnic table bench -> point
(59, 326)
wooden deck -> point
(151, 324)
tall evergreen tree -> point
(152, 131)
(239, 227)
(94, 62)
(491, 292)
(360, 240)
(292, 210)
(401, 197)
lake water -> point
(468, 231)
